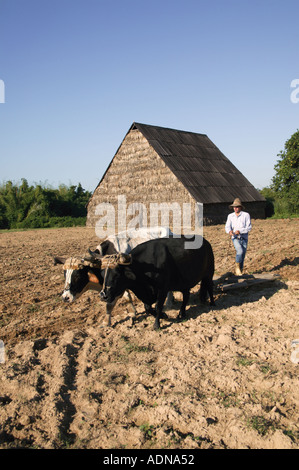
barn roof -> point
(201, 167)
(207, 174)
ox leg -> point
(210, 291)
(206, 287)
(169, 300)
(128, 293)
(109, 308)
(182, 313)
(150, 310)
(159, 306)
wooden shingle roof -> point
(201, 167)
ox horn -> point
(59, 260)
(93, 256)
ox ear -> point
(59, 260)
(125, 259)
(93, 278)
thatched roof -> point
(198, 164)
(201, 167)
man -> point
(238, 225)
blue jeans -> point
(240, 245)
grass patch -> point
(133, 347)
(267, 369)
(229, 399)
(260, 424)
(148, 431)
(244, 361)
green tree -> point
(286, 179)
(24, 206)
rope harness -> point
(112, 261)
(74, 264)
(105, 262)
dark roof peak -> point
(208, 175)
(140, 126)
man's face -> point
(237, 209)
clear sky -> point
(78, 73)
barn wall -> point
(217, 213)
(138, 173)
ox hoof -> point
(156, 325)
(181, 317)
(151, 311)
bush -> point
(269, 195)
(278, 206)
(24, 206)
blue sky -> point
(78, 73)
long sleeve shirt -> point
(241, 222)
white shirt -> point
(241, 222)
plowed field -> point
(223, 378)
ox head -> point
(80, 275)
(116, 277)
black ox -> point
(156, 267)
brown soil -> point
(222, 379)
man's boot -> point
(238, 271)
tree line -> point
(37, 206)
(282, 195)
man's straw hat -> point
(236, 203)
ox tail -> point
(205, 288)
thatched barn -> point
(156, 164)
